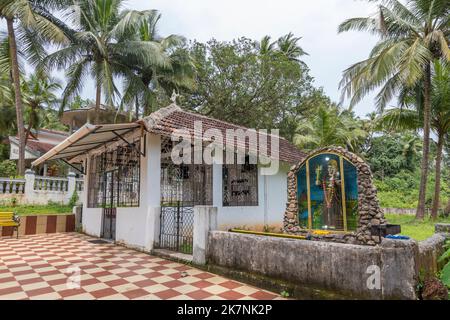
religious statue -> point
(330, 183)
(174, 96)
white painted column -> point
(71, 181)
(151, 191)
(29, 186)
(205, 220)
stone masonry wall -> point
(369, 211)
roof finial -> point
(174, 97)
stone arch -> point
(369, 211)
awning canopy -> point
(87, 138)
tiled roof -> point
(34, 146)
(38, 146)
(166, 120)
(62, 133)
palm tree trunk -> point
(17, 95)
(437, 184)
(98, 97)
(420, 214)
(137, 108)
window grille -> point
(190, 184)
(125, 163)
(96, 182)
(240, 184)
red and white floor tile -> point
(44, 267)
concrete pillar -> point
(151, 190)
(205, 220)
(29, 186)
(78, 212)
(152, 228)
(71, 186)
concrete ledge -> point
(333, 267)
(173, 255)
(442, 228)
(429, 252)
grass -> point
(418, 230)
(28, 210)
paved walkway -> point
(38, 267)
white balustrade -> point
(12, 186)
(79, 185)
(50, 184)
(39, 189)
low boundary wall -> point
(386, 271)
(41, 224)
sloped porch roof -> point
(162, 122)
(87, 138)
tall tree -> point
(286, 45)
(330, 125)
(410, 116)
(411, 37)
(34, 24)
(39, 96)
(238, 83)
(100, 43)
(147, 82)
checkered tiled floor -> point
(38, 267)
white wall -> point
(133, 224)
(92, 217)
(272, 195)
(138, 226)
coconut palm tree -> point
(7, 112)
(33, 24)
(147, 81)
(286, 45)
(410, 116)
(100, 43)
(411, 37)
(330, 125)
(39, 97)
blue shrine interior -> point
(327, 196)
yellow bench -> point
(9, 219)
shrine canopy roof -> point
(88, 137)
(167, 120)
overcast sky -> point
(316, 21)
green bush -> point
(73, 199)
(402, 190)
(7, 168)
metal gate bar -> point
(177, 227)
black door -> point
(109, 205)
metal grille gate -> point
(182, 187)
(177, 227)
